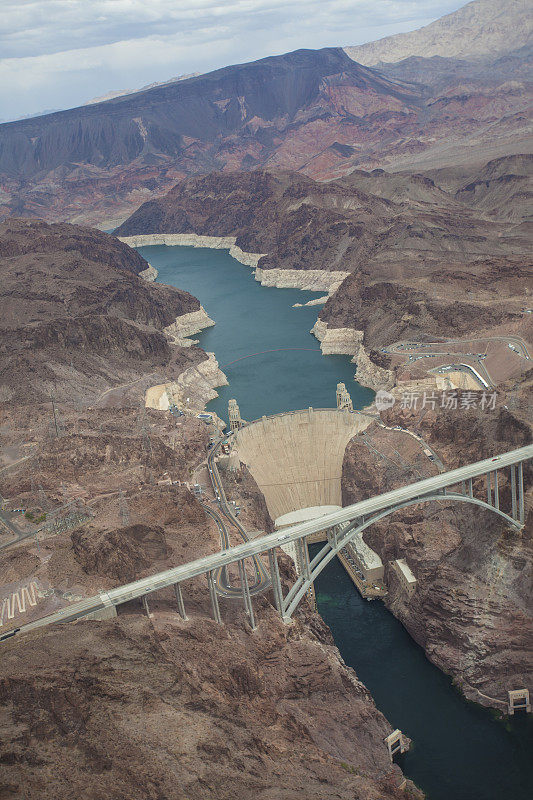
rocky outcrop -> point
(472, 609)
(370, 374)
(149, 274)
(194, 240)
(80, 320)
(315, 280)
(193, 388)
(347, 341)
(344, 341)
(188, 325)
(318, 301)
(193, 709)
(119, 554)
(201, 380)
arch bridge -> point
(461, 485)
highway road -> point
(404, 347)
(216, 561)
(420, 350)
(261, 577)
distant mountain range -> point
(317, 112)
(482, 29)
(121, 92)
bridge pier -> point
(513, 492)
(331, 535)
(214, 599)
(489, 489)
(303, 557)
(521, 510)
(276, 581)
(179, 600)
(496, 491)
(470, 488)
(145, 605)
(246, 594)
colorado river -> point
(460, 751)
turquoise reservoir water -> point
(251, 319)
(460, 751)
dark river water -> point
(460, 751)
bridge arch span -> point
(355, 529)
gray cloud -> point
(61, 53)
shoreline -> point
(317, 280)
(342, 341)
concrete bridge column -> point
(521, 509)
(513, 492)
(179, 600)
(303, 553)
(333, 535)
(489, 489)
(496, 491)
(246, 594)
(145, 605)
(276, 582)
(214, 598)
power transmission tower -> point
(42, 499)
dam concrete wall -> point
(296, 458)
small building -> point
(519, 701)
(367, 559)
(405, 576)
(397, 742)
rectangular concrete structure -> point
(368, 560)
(405, 576)
(396, 743)
(519, 701)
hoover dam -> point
(296, 458)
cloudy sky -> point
(58, 54)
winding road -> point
(420, 350)
(223, 586)
(212, 564)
